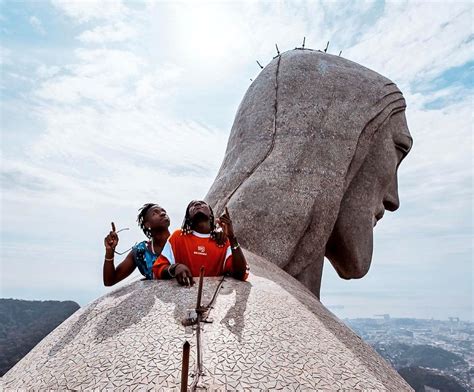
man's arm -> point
(112, 275)
(166, 267)
(239, 264)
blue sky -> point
(108, 105)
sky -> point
(107, 105)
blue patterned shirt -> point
(144, 259)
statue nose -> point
(391, 201)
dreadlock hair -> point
(186, 227)
(141, 218)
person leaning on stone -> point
(194, 246)
(154, 222)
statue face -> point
(373, 190)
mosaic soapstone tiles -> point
(269, 333)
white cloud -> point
(101, 75)
(46, 72)
(109, 33)
(37, 25)
(89, 10)
(416, 41)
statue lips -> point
(379, 216)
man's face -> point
(199, 207)
(156, 217)
(373, 190)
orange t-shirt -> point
(195, 250)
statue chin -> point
(350, 247)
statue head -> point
(311, 163)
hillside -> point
(23, 324)
(418, 377)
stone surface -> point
(267, 333)
(311, 161)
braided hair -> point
(141, 218)
(186, 227)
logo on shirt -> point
(201, 250)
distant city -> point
(432, 355)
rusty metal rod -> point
(199, 311)
(185, 367)
(201, 278)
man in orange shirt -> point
(194, 246)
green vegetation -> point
(418, 377)
(23, 324)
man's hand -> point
(226, 224)
(220, 237)
(183, 275)
(111, 240)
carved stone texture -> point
(269, 333)
(311, 163)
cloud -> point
(100, 75)
(46, 72)
(37, 25)
(416, 41)
(110, 33)
(90, 10)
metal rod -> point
(201, 278)
(199, 311)
(199, 348)
(215, 293)
(304, 39)
(260, 65)
(278, 50)
(340, 53)
(185, 367)
(327, 46)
